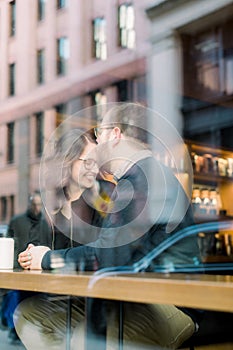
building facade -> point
(56, 58)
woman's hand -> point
(25, 257)
(31, 258)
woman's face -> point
(85, 169)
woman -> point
(70, 172)
(80, 199)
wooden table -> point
(210, 292)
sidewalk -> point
(5, 343)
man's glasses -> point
(98, 131)
(89, 163)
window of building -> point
(12, 205)
(41, 9)
(12, 5)
(62, 55)
(100, 100)
(12, 79)
(39, 133)
(61, 4)
(208, 62)
(126, 20)
(208, 51)
(40, 66)
(10, 142)
(99, 38)
(3, 202)
(60, 113)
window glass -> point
(10, 142)
(41, 10)
(100, 39)
(62, 55)
(61, 3)
(12, 5)
(40, 66)
(12, 79)
(127, 34)
(39, 133)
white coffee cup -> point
(6, 253)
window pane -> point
(3, 208)
(61, 4)
(130, 18)
(10, 142)
(62, 55)
(41, 9)
(99, 38)
(60, 114)
(39, 133)
(12, 17)
(12, 79)
(127, 36)
(40, 66)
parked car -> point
(3, 230)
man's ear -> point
(117, 133)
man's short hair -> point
(131, 118)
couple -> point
(148, 206)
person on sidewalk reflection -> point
(28, 227)
(148, 206)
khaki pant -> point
(40, 322)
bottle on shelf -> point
(196, 201)
(205, 201)
(213, 205)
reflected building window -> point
(99, 38)
(7, 207)
(208, 62)
(40, 66)
(229, 74)
(39, 139)
(12, 5)
(60, 113)
(12, 79)
(126, 19)
(61, 4)
(3, 202)
(100, 101)
(208, 52)
(12, 205)
(62, 55)
(41, 9)
(10, 142)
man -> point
(28, 227)
(148, 206)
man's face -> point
(36, 205)
(104, 138)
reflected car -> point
(3, 230)
(207, 234)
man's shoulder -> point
(18, 217)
